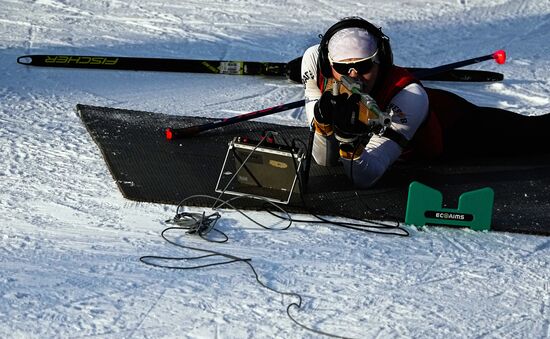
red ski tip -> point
(169, 134)
(500, 56)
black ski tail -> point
(459, 75)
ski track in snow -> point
(69, 242)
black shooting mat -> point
(149, 168)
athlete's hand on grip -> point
(328, 107)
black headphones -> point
(384, 48)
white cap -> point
(353, 42)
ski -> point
(156, 64)
(291, 70)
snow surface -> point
(69, 243)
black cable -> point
(375, 227)
(145, 259)
(195, 229)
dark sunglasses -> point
(361, 67)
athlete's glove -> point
(347, 126)
(328, 107)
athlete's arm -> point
(325, 148)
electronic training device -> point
(261, 169)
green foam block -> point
(424, 206)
